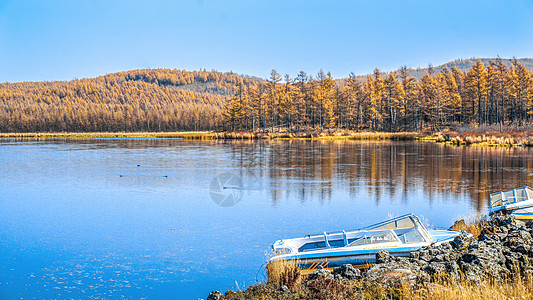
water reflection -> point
(307, 170)
(311, 169)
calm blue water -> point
(138, 218)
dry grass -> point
(519, 288)
(236, 135)
(472, 224)
(284, 272)
(486, 138)
(183, 135)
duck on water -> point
(399, 236)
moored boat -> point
(399, 236)
(517, 202)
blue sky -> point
(63, 40)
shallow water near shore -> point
(163, 218)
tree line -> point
(392, 101)
(138, 100)
(179, 100)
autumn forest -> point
(178, 100)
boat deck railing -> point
(512, 196)
(415, 220)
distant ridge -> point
(465, 65)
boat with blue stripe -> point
(517, 202)
(399, 236)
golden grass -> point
(311, 135)
(488, 138)
(284, 272)
(184, 135)
(519, 288)
(472, 224)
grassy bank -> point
(211, 135)
(184, 135)
(489, 138)
(485, 135)
(518, 288)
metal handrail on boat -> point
(508, 199)
(370, 227)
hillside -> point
(151, 100)
(465, 65)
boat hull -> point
(524, 214)
(363, 260)
(520, 213)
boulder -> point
(347, 271)
(383, 256)
(461, 241)
(321, 274)
(214, 295)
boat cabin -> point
(501, 200)
(405, 229)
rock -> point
(214, 295)
(461, 241)
(435, 269)
(459, 225)
(453, 269)
(383, 256)
(347, 271)
(321, 274)
(503, 220)
(519, 241)
(424, 255)
(390, 276)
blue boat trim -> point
(399, 236)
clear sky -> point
(63, 40)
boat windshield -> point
(375, 238)
(412, 235)
(400, 223)
(511, 196)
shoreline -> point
(483, 139)
(213, 135)
(494, 262)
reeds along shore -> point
(470, 137)
(489, 138)
(211, 135)
(518, 288)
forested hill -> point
(138, 100)
(215, 83)
(465, 65)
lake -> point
(176, 219)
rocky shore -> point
(501, 253)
